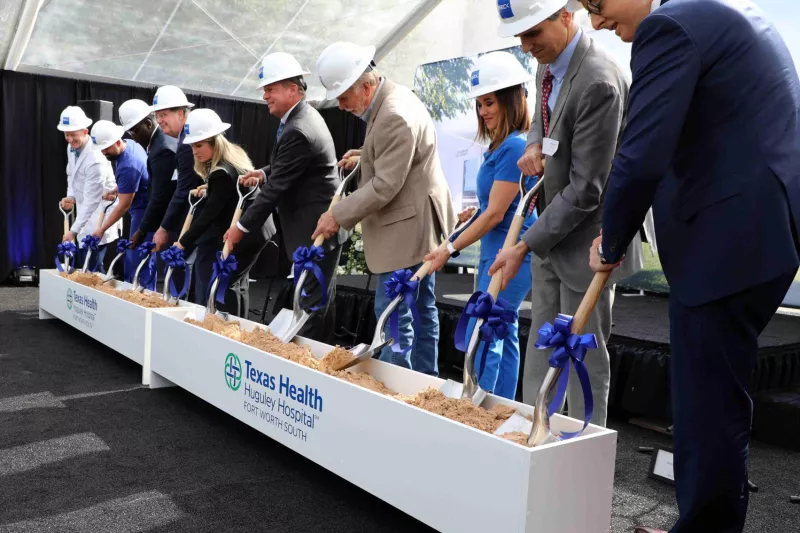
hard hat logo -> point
(94, 139)
(186, 129)
(155, 100)
(475, 78)
(65, 121)
(504, 8)
(261, 73)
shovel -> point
(288, 323)
(226, 251)
(470, 388)
(66, 217)
(541, 432)
(186, 224)
(367, 351)
(100, 221)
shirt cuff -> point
(264, 174)
(239, 225)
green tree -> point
(443, 86)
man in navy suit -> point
(713, 143)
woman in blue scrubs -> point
(497, 82)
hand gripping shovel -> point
(288, 323)
(187, 222)
(363, 351)
(470, 388)
(226, 251)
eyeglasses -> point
(593, 7)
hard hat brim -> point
(512, 29)
(191, 139)
(267, 81)
(369, 55)
(154, 108)
(137, 119)
(70, 127)
(498, 86)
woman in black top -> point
(219, 162)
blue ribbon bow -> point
(173, 257)
(148, 277)
(66, 250)
(223, 268)
(306, 258)
(568, 347)
(90, 242)
(122, 245)
(496, 316)
(401, 283)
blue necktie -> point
(280, 131)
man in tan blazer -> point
(402, 200)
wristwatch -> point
(452, 250)
(600, 254)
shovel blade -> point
(285, 326)
(452, 389)
(516, 422)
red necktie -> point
(547, 88)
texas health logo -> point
(69, 298)
(233, 372)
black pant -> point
(322, 324)
(714, 349)
(237, 297)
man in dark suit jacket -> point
(713, 143)
(171, 110)
(160, 167)
(298, 183)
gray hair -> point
(370, 77)
(299, 81)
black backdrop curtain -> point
(33, 156)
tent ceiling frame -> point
(22, 35)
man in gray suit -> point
(298, 183)
(580, 114)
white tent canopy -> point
(215, 46)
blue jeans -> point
(424, 355)
(501, 369)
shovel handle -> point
(66, 226)
(335, 200)
(590, 299)
(226, 250)
(186, 224)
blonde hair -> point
(223, 150)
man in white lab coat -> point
(89, 177)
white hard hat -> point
(168, 97)
(279, 66)
(495, 71)
(517, 16)
(105, 133)
(203, 124)
(574, 5)
(340, 65)
(73, 119)
(132, 112)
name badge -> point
(549, 146)
(175, 175)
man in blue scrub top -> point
(132, 180)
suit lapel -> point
(84, 155)
(300, 105)
(574, 65)
(388, 87)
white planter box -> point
(448, 475)
(121, 325)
